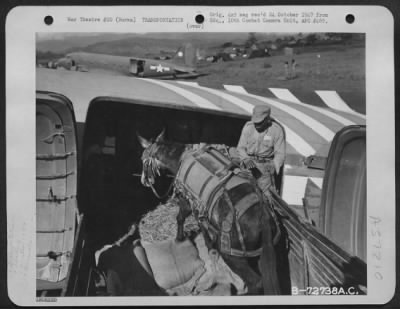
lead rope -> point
(165, 194)
(236, 220)
(154, 168)
(278, 232)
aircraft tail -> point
(186, 55)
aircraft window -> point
(348, 198)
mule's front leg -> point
(184, 212)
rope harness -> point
(203, 205)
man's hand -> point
(271, 167)
(248, 164)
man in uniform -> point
(262, 147)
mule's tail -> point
(268, 260)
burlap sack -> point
(174, 263)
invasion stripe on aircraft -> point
(333, 96)
(332, 123)
(196, 99)
(230, 98)
(82, 88)
(333, 100)
(329, 97)
(315, 125)
(294, 123)
(295, 140)
(189, 83)
(325, 111)
(284, 94)
(234, 88)
(223, 104)
(343, 117)
(329, 113)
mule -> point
(255, 228)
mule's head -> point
(151, 161)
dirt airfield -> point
(339, 68)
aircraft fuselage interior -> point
(110, 192)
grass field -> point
(339, 68)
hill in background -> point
(128, 44)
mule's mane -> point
(170, 153)
(175, 147)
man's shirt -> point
(267, 144)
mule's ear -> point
(161, 136)
(144, 142)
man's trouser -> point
(266, 180)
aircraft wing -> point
(309, 129)
(181, 74)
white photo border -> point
(23, 23)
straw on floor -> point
(160, 224)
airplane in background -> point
(181, 65)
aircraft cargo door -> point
(136, 67)
(343, 210)
(57, 217)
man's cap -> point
(260, 112)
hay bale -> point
(160, 224)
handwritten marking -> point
(376, 240)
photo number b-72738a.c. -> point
(200, 151)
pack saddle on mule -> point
(235, 217)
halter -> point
(151, 166)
